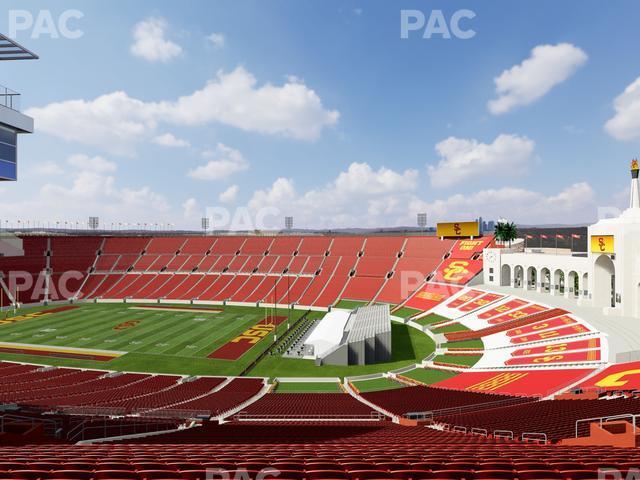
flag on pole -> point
(575, 235)
(544, 236)
(529, 236)
(560, 236)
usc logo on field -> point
(456, 270)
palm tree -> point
(506, 232)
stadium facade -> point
(608, 276)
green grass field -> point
(156, 341)
(462, 360)
(429, 376)
(308, 387)
(431, 318)
(406, 312)
(377, 384)
(179, 341)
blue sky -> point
(322, 111)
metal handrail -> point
(503, 434)
(531, 436)
(245, 416)
(9, 98)
(601, 420)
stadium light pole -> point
(422, 221)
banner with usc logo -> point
(623, 376)
(587, 356)
(562, 347)
(458, 271)
(602, 244)
(430, 295)
(458, 229)
(542, 325)
(503, 308)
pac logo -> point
(456, 270)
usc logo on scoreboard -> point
(458, 229)
(602, 244)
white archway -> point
(532, 277)
(558, 282)
(518, 276)
(505, 276)
(604, 289)
(573, 284)
(545, 280)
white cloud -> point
(116, 122)
(149, 41)
(462, 159)
(170, 141)
(338, 205)
(229, 195)
(91, 164)
(292, 110)
(190, 208)
(572, 205)
(625, 124)
(89, 188)
(225, 162)
(360, 196)
(546, 67)
(47, 169)
(217, 39)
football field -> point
(153, 338)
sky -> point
(163, 112)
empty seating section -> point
(198, 245)
(160, 245)
(124, 245)
(555, 418)
(306, 405)
(319, 270)
(355, 451)
(400, 401)
(421, 256)
(67, 388)
(24, 276)
(501, 327)
(70, 260)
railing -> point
(503, 434)
(247, 417)
(89, 429)
(476, 407)
(9, 98)
(171, 413)
(535, 437)
(50, 426)
(602, 420)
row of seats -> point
(73, 389)
(298, 405)
(308, 270)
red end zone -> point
(244, 342)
